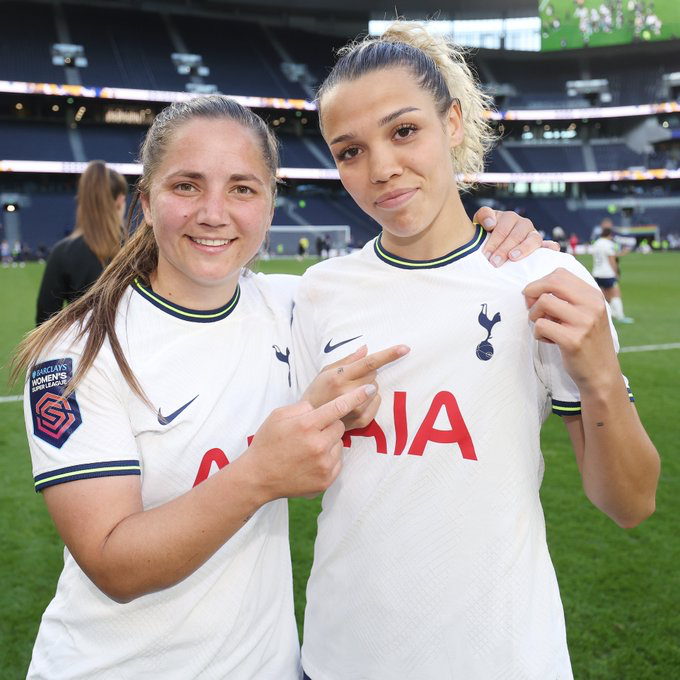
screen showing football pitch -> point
(567, 24)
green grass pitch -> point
(620, 588)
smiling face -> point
(210, 204)
(392, 150)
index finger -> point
(373, 362)
(562, 283)
(338, 408)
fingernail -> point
(403, 349)
(489, 222)
(497, 259)
(487, 254)
(515, 253)
(370, 390)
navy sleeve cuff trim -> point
(109, 468)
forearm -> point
(618, 462)
(153, 549)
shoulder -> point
(326, 270)
(276, 291)
(60, 247)
(543, 262)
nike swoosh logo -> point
(329, 348)
(166, 420)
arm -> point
(613, 263)
(618, 463)
(50, 296)
(129, 552)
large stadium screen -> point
(568, 24)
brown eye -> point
(184, 186)
(405, 131)
(348, 154)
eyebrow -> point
(234, 177)
(386, 120)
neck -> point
(191, 296)
(451, 229)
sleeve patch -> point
(55, 418)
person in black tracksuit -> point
(77, 261)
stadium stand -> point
(131, 48)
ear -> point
(454, 124)
(146, 208)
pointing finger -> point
(372, 362)
(339, 407)
(348, 359)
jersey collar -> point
(396, 261)
(200, 316)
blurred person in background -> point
(559, 235)
(606, 272)
(77, 260)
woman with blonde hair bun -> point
(77, 261)
(431, 558)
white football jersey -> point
(431, 559)
(212, 377)
(602, 250)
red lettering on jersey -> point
(371, 430)
(216, 456)
(458, 432)
(400, 423)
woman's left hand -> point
(512, 237)
(572, 314)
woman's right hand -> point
(340, 377)
(297, 451)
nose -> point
(213, 210)
(383, 165)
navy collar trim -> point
(473, 244)
(195, 315)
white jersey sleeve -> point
(85, 434)
(306, 360)
(564, 393)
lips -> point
(395, 199)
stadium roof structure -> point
(353, 10)
(448, 8)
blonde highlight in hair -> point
(98, 217)
(93, 315)
(441, 68)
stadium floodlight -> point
(66, 54)
(189, 64)
(595, 90)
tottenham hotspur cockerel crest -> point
(485, 348)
